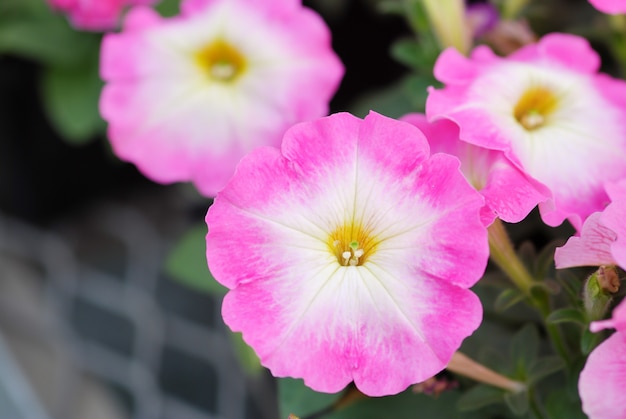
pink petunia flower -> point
(603, 379)
(602, 239)
(95, 15)
(550, 112)
(349, 253)
(187, 97)
(509, 193)
(609, 6)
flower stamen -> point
(533, 108)
(351, 244)
(221, 61)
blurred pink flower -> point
(603, 379)
(548, 110)
(95, 15)
(509, 193)
(349, 254)
(187, 97)
(610, 6)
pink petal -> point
(609, 6)
(602, 381)
(569, 51)
(95, 15)
(613, 217)
(592, 248)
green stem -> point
(503, 254)
(535, 406)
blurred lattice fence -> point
(99, 330)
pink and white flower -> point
(550, 112)
(610, 6)
(349, 253)
(509, 193)
(96, 15)
(603, 379)
(187, 97)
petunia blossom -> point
(550, 112)
(95, 15)
(349, 253)
(609, 6)
(603, 379)
(187, 97)
(509, 193)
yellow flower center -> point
(221, 61)
(534, 107)
(352, 244)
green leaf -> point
(294, 397)
(247, 357)
(518, 402)
(527, 253)
(18, 9)
(407, 51)
(391, 101)
(48, 40)
(70, 99)
(559, 404)
(187, 262)
(589, 341)
(168, 8)
(406, 405)
(391, 6)
(544, 263)
(566, 315)
(507, 299)
(525, 347)
(542, 367)
(398, 99)
(480, 396)
(414, 54)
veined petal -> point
(592, 248)
(602, 381)
(345, 249)
(613, 217)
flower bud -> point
(447, 18)
(598, 291)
